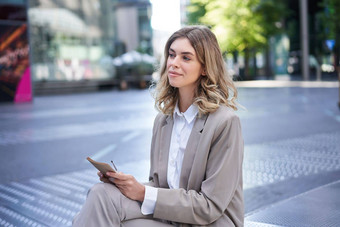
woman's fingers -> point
(119, 175)
(102, 178)
(116, 178)
(119, 182)
(128, 185)
(121, 179)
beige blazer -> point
(211, 191)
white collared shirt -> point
(183, 124)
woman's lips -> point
(173, 73)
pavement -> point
(291, 165)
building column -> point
(304, 39)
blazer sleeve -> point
(223, 176)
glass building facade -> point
(75, 42)
(71, 40)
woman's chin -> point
(173, 84)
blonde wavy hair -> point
(213, 90)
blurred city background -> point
(74, 82)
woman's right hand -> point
(102, 178)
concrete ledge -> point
(277, 83)
(61, 87)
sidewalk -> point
(317, 207)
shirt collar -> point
(189, 114)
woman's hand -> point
(128, 185)
(102, 178)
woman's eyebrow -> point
(185, 52)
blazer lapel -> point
(191, 149)
(166, 132)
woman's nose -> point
(175, 62)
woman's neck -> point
(186, 98)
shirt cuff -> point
(150, 198)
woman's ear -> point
(204, 72)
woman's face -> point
(183, 67)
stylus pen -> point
(114, 166)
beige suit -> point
(211, 191)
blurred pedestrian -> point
(196, 149)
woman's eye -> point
(171, 55)
(186, 58)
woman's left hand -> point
(128, 185)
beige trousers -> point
(107, 206)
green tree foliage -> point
(240, 25)
(235, 24)
(331, 23)
(196, 11)
(331, 17)
(272, 13)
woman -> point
(196, 149)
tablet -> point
(101, 166)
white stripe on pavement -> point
(130, 136)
